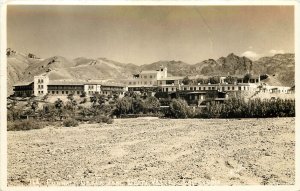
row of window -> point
(90, 87)
(65, 87)
(40, 86)
(112, 88)
(218, 88)
(77, 92)
(224, 88)
(40, 81)
(278, 91)
(140, 83)
(23, 88)
(63, 92)
(145, 77)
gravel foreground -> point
(156, 152)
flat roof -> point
(74, 83)
(56, 82)
(23, 83)
(148, 72)
(172, 78)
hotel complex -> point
(159, 81)
(42, 85)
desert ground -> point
(148, 151)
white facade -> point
(40, 85)
(91, 89)
(147, 78)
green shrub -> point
(124, 106)
(151, 105)
(179, 109)
(70, 122)
(102, 119)
(83, 101)
(24, 125)
(110, 121)
(14, 114)
(238, 108)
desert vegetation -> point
(33, 113)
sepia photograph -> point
(140, 95)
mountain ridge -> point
(22, 68)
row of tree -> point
(257, 108)
(133, 103)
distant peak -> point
(232, 55)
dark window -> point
(52, 92)
(62, 92)
(67, 92)
(170, 81)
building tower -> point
(40, 85)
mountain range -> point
(22, 67)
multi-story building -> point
(42, 85)
(217, 88)
(146, 79)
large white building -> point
(42, 85)
(146, 78)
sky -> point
(146, 34)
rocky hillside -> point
(280, 66)
(175, 68)
(22, 67)
(232, 64)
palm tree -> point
(59, 105)
(34, 106)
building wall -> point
(138, 82)
(40, 85)
(64, 92)
(147, 79)
(162, 73)
(20, 93)
(206, 87)
(91, 89)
